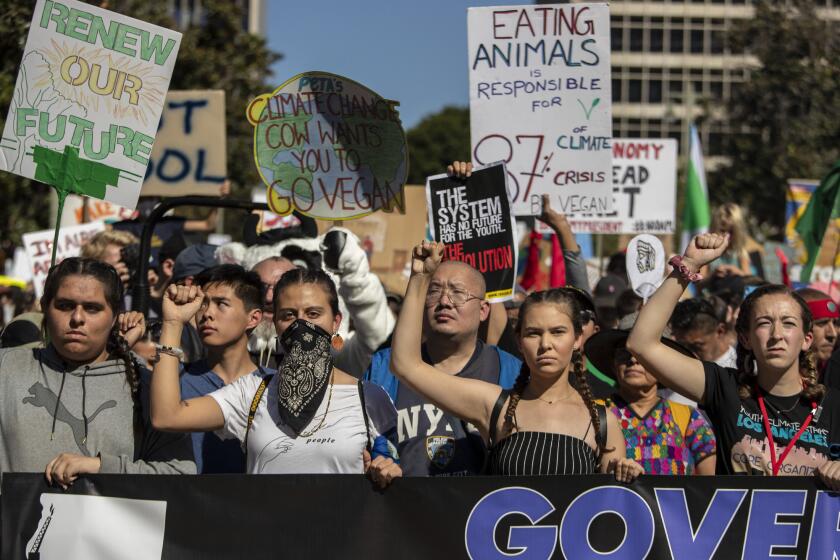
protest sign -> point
(540, 100)
(87, 100)
(478, 517)
(38, 246)
(472, 217)
(81, 210)
(644, 180)
(190, 153)
(329, 147)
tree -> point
(787, 115)
(219, 54)
(436, 141)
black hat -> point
(608, 289)
(600, 348)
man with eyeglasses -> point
(431, 442)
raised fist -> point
(181, 303)
(705, 248)
(426, 257)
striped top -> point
(541, 453)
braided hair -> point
(116, 345)
(565, 298)
(746, 363)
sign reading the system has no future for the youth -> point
(87, 100)
(540, 100)
(644, 179)
(473, 219)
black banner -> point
(473, 218)
(342, 516)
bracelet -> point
(170, 350)
(680, 267)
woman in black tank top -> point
(545, 424)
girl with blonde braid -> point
(548, 423)
(770, 414)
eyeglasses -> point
(457, 296)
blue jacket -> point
(379, 371)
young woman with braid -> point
(78, 405)
(770, 414)
(547, 424)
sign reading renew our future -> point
(87, 100)
(540, 100)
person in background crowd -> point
(575, 265)
(80, 405)
(627, 303)
(263, 340)
(697, 326)
(23, 331)
(107, 246)
(394, 303)
(191, 262)
(310, 417)
(549, 426)
(167, 254)
(232, 307)
(771, 415)
(743, 256)
(663, 436)
(826, 325)
(431, 441)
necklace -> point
(571, 395)
(777, 409)
(324, 417)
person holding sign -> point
(79, 405)
(549, 426)
(770, 414)
(309, 417)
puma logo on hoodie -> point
(44, 397)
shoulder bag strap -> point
(494, 416)
(602, 424)
(255, 403)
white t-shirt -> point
(336, 448)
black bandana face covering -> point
(304, 372)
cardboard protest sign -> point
(87, 100)
(329, 147)
(540, 100)
(473, 218)
(190, 153)
(644, 179)
(75, 212)
(645, 261)
(39, 245)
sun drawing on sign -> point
(98, 75)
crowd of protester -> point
(287, 355)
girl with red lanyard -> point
(770, 415)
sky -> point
(411, 51)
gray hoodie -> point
(47, 408)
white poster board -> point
(38, 246)
(87, 100)
(540, 100)
(644, 176)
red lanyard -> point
(777, 466)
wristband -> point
(170, 350)
(681, 268)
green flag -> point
(696, 214)
(823, 207)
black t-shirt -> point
(739, 427)
(433, 443)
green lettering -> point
(44, 127)
(104, 144)
(106, 36)
(58, 15)
(141, 145)
(80, 126)
(22, 121)
(123, 136)
(153, 48)
(125, 42)
(78, 25)
(45, 15)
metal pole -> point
(140, 291)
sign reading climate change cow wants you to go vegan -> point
(540, 101)
(473, 219)
(87, 100)
(329, 147)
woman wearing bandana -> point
(308, 418)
